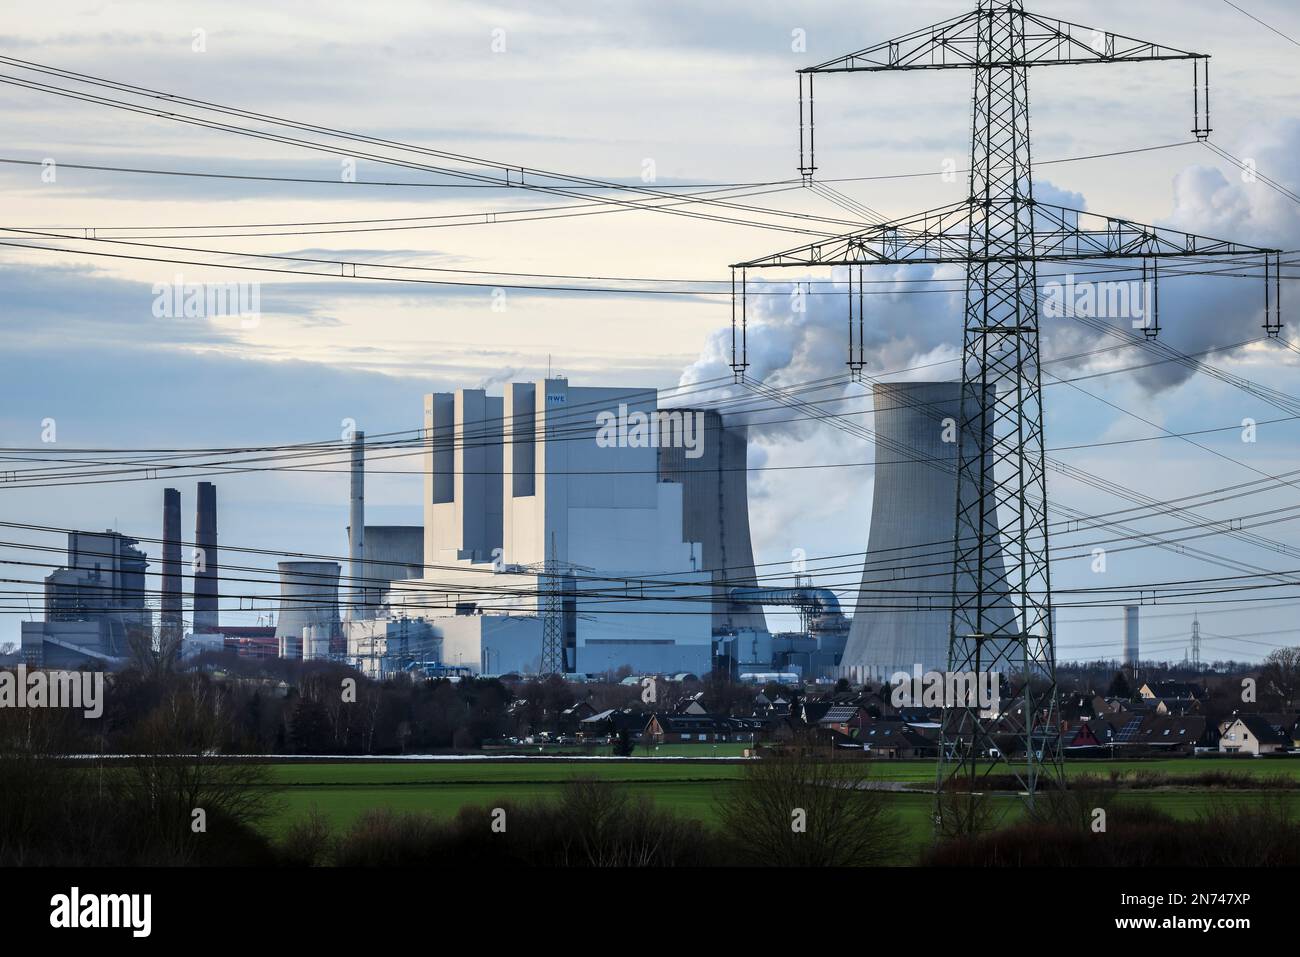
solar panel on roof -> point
(1131, 728)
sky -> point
(695, 95)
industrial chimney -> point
(1130, 636)
(171, 565)
(205, 560)
(356, 591)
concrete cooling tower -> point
(309, 599)
(715, 513)
(909, 560)
(394, 553)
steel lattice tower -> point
(999, 233)
(552, 616)
(1001, 542)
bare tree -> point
(154, 652)
(599, 824)
(34, 780)
(808, 806)
(1280, 676)
(962, 813)
(178, 768)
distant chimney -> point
(1131, 636)
(356, 590)
(172, 624)
(205, 560)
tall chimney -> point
(205, 560)
(1131, 648)
(171, 565)
(356, 591)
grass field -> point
(343, 790)
(727, 750)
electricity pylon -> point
(1000, 233)
(553, 616)
(553, 578)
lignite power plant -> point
(551, 522)
(558, 539)
(583, 530)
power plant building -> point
(95, 606)
(570, 475)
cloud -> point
(914, 318)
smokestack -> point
(205, 560)
(1131, 635)
(171, 565)
(357, 531)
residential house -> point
(893, 739)
(1158, 690)
(1253, 734)
(571, 718)
(1177, 706)
(766, 707)
(708, 728)
(606, 724)
(1168, 734)
(844, 718)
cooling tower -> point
(171, 603)
(715, 513)
(309, 597)
(205, 564)
(393, 553)
(903, 616)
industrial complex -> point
(573, 530)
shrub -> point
(591, 824)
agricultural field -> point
(343, 790)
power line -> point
(1266, 26)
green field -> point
(727, 750)
(343, 790)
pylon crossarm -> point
(944, 235)
(954, 45)
(1063, 233)
(1053, 42)
(949, 44)
(934, 236)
